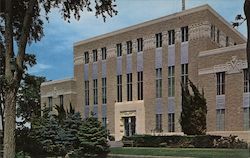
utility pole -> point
(183, 5)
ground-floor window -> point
(246, 117)
(158, 126)
(104, 122)
(171, 127)
(220, 119)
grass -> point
(184, 152)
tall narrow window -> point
(227, 41)
(158, 125)
(220, 119)
(86, 86)
(171, 122)
(95, 57)
(140, 85)
(246, 117)
(158, 37)
(104, 53)
(171, 81)
(218, 36)
(184, 74)
(159, 83)
(119, 88)
(129, 47)
(50, 103)
(61, 100)
(184, 34)
(129, 87)
(212, 32)
(119, 49)
(171, 37)
(104, 90)
(86, 57)
(220, 83)
(139, 44)
(104, 122)
(246, 81)
(95, 90)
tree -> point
(21, 22)
(93, 139)
(194, 110)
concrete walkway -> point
(140, 156)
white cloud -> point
(38, 68)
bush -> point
(202, 141)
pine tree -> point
(93, 139)
(194, 110)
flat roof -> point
(57, 81)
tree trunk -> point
(10, 124)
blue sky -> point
(54, 52)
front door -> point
(129, 125)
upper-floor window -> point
(184, 34)
(129, 87)
(95, 57)
(61, 100)
(220, 83)
(140, 85)
(246, 118)
(158, 37)
(86, 57)
(104, 90)
(95, 90)
(158, 83)
(104, 53)
(171, 81)
(227, 41)
(50, 103)
(212, 35)
(184, 74)
(119, 88)
(119, 49)
(218, 36)
(129, 47)
(171, 37)
(171, 122)
(139, 44)
(246, 81)
(86, 91)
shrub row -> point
(203, 141)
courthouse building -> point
(131, 78)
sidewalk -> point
(140, 156)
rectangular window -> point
(171, 37)
(140, 85)
(129, 87)
(246, 116)
(227, 41)
(158, 83)
(184, 74)
(220, 83)
(171, 81)
(119, 49)
(119, 88)
(95, 57)
(184, 34)
(218, 36)
(104, 90)
(104, 53)
(86, 86)
(220, 119)
(246, 81)
(158, 125)
(171, 122)
(50, 103)
(139, 44)
(212, 32)
(158, 37)
(61, 100)
(129, 47)
(86, 57)
(104, 122)
(95, 90)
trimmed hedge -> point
(200, 141)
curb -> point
(140, 156)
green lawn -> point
(185, 152)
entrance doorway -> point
(129, 125)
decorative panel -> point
(129, 63)
(119, 66)
(104, 68)
(171, 55)
(95, 110)
(86, 72)
(184, 53)
(86, 111)
(95, 71)
(104, 110)
(220, 102)
(158, 58)
(139, 61)
(159, 108)
(171, 105)
(246, 102)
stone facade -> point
(203, 41)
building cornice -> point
(57, 81)
(222, 50)
(165, 18)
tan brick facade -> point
(140, 115)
